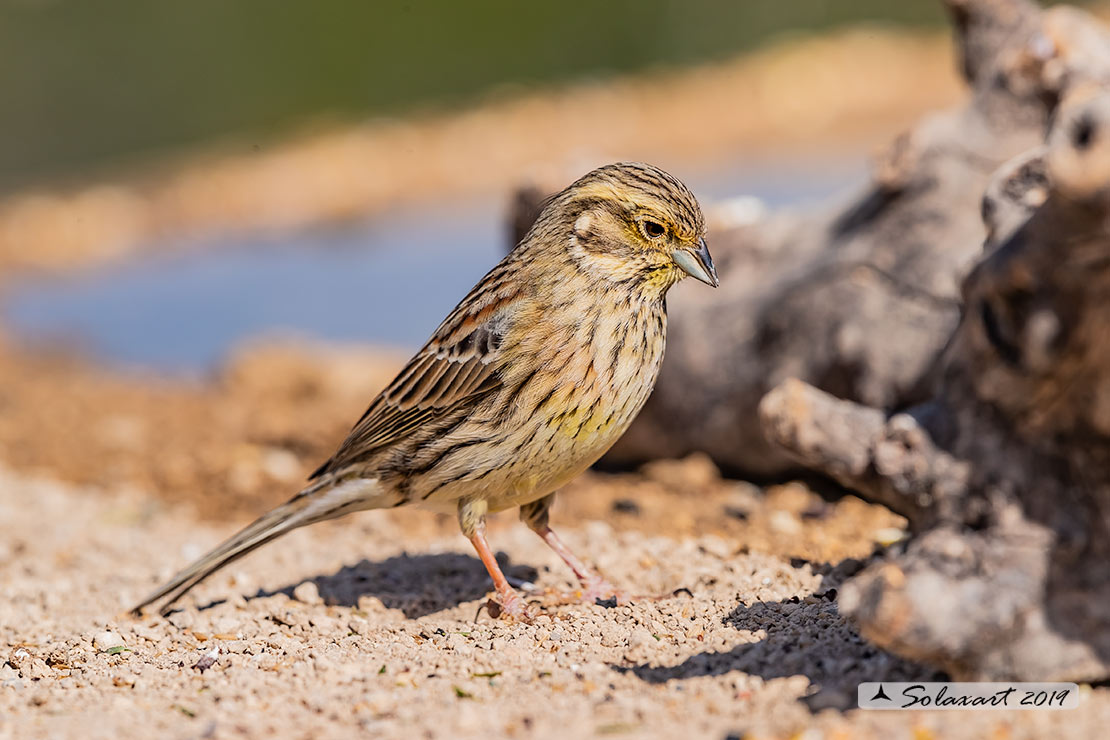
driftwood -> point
(1004, 474)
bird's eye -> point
(653, 229)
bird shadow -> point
(805, 637)
(417, 585)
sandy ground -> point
(362, 627)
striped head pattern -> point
(631, 223)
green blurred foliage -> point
(90, 83)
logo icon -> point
(880, 694)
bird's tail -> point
(323, 499)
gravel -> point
(361, 626)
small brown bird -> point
(532, 377)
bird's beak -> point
(697, 263)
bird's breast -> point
(576, 384)
(603, 377)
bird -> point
(527, 382)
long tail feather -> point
(322, 500)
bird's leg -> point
(594, 585)
(472, 521)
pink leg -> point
(594, 585)
(472, 520)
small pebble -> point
(20, 657)
(106, 640)
(784, 522)
(307, 593)
(280, 464)
(183, 620)
(736, 513)
(889, 535)
(626, 506)
(207, 660)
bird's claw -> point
(511, 606)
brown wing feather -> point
(455, 368)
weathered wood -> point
(1005, 472)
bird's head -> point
(634, 223)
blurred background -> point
(90, 88)
(347, 158)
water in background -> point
(389, 280)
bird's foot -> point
(595, 590)
(511, 605)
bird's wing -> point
(453, 371)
